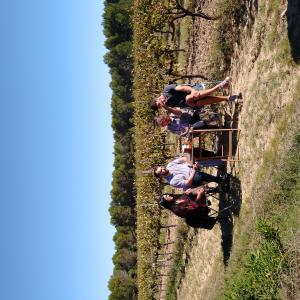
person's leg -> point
(201, 177)
(203, 125)
(202, 93)
(207, 153)
(198, 125)
(200, 221)
(192, 101)
(212, 190)
(210, 178)
(204, 152)
(206, 92)
(195, 118)
(210, 162)
(210, 127)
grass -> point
(185, 25)
(231, 14)
(269, 211)
(274, 15)
(264, 259)
(177, 269)
(269, 270)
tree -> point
(122, 216)
(124, 259)
(122, 286)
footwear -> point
(225, 188)
(208, 203)
(221, 219)
(224, 177)
(214, 118)
(224, 83)
(235, 98)
(213, 190)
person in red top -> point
(192, 206)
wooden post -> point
(168, 226)
(200, 132)
(169, 243)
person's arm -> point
(198, 191)
(193, 191)
(189, 181)
(181, 159)
(175, 111)
(186, 131)
(171, 110)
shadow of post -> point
(293, 20)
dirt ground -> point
(255, 68)
(170, 237)
(200, 40)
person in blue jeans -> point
(180, 175)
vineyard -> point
(176, 40)
(156, 62)
(149, 71)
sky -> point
(56, 151)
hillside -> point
(263, 69)
(256, 254)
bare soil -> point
(170, 237)
(255, 68)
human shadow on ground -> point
(293, 20)
(231, 196)
(230, 122)
(229, 207)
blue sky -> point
(56, 151)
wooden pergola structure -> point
(200, 134)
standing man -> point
(180, 175)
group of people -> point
(192, 204)
(175, 97)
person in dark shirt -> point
(181, 122)
(191, 96)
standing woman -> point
(192, 206)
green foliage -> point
(177, 268)
(122, 216)
(150, 58)
(272, 266)
(122, 286)
(116, 22)
(262, 271)
(124, 238)
(232, 13)
(124, 259)
(118, 30)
